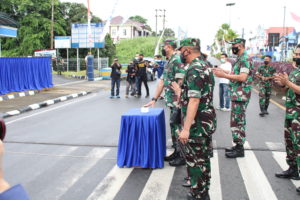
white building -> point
(121, 28)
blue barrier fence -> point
(21, 74)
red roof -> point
(282, 31)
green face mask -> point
(223, 60)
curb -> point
(20, 94)
(43, 104)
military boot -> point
(174, 155)
(191, 197)
(298, 190)
(229, 149)
(262, 111)
(238, 151)
(266, 109)
(291, 172)
(178, 161)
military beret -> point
(191, 42)
(237, 40)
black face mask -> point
(266, 62)
(235, 50)
(163, 52)
(140, 59)
(297, 60)
(182, 57)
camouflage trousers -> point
(238, 121)
(175, 128)
(197, 152)
(264, 96)
(292, 142)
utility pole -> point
(156, 22)
(283, 32)
(52, 25)
(160, 13)
(230, 5)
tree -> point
(224, 34)
(109, 50)
(34, 17)
(138, 18)
(169, 33)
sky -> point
(200, 18)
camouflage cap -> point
(191, 42)
(173, 43)
(237, 40)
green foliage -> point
(109, 50)
(34, 17)
(127, 49)
(138, 18)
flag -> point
(295, 17)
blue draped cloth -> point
(21, 74)
(142, 140)
(16, 192)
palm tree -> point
(224, 34)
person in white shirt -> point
(224, 84)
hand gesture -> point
(282, 79)
(184, 136)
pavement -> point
(68, 151)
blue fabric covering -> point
(20, 74)
(16, 192)
(142, 141)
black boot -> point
(266, 109)
(238, 151)
(178, 161)
(229, 149)
(298, 190)
(191, 197)
(262, 111)
(174, 155)
(291, 173)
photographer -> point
(115, 78)
(131, 72)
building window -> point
(273, 39)
(124, 32)
(114, 32)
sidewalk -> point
(63, 89)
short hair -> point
(269, 56)
(298, 46)
(224, 54)
(141, 54)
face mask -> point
(297, 60)
(222, 60)
(140, 59)
(182, 57)
(163, 52)
(266, 62)
(235, 50)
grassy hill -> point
(127, 49)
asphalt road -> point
(68, 151)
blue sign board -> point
(82, 37)
(8, 31)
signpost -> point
(6, 31)
(63, 42)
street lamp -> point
(230, 5)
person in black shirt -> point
(115, 78)
(141, 76)
(131, 73)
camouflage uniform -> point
(173, 70)
(292, 123)
(240, 96)
(265, 89)
(199, 83)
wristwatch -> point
(154, 99)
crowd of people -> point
(139, 71)
(188, 82)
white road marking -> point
(280, 159)
(159, 182)
(111, 184)
(215, 188)
(51, 109)
(256, 182)
(69, 177)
